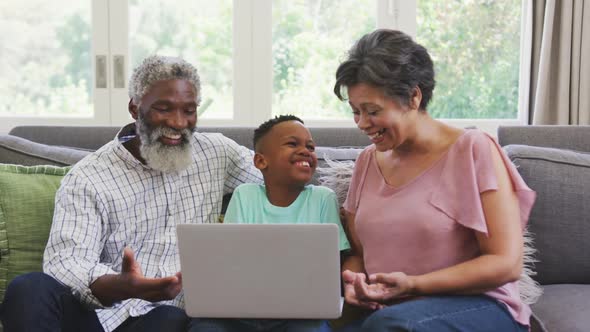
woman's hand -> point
(388, 287)
(382, 289)
(355, 285)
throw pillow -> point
(337, 153)
(27, 195)
(326, 154)
(337, 177)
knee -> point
(173, 317)
(386, 320)
(308, 325)
(29, 286)
(211, 324)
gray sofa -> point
(560, 219)
(555, 162)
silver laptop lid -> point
(260, 270)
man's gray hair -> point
(159, 68)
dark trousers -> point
(37, 302)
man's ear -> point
(416, 98)
(133, 109)
(260, 161)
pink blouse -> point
(430, 223)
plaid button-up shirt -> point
(110, 200)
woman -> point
(434, 213)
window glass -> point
(475, 46)
(46, 65)
(198, 31)
(309, 40)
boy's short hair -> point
(265, 127)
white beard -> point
(162, 157)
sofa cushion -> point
(17, 150)
(560, 218)
(563, 308)
(27, 195)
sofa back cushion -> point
(93, 137)
(554, 136)
(27, 196)
(560, 219)
(83, 137)
(20, 151)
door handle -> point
(101, 72)
(119, 71)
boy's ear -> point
(260, 161)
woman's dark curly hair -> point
(391, 61)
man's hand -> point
(149, 289)
(131, 283)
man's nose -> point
(178, 120)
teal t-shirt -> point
(315, 204)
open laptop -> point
(260, 270)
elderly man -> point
(111, 262)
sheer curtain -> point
(557, 44)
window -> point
(475, 45)
(309, 40)
(46, 66)
(257, 58)
(198, 31)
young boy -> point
(284, 153)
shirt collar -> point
(126, 133)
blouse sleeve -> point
(469, 172)
(356, 181)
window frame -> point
(252, 69)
